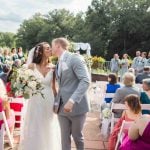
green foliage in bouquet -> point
(24, 83)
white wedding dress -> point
(41, 129)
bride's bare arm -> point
(54, 84)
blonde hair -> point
(129, 79)
(63, 42)
(3, 93)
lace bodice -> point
(46, 81)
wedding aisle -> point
(93, 140)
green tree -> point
(27, 35)
(97, 24)
(7, 39)
(46, 27)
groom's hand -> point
(68, 106)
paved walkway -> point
(93, 140)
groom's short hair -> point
(63, 42)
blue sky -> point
(13, 12)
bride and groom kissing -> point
(43, 129)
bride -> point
(40, 129)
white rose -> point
(25, 77)
(28, 72)
(32, 84)
(27, 89)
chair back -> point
(145, 106)
(116, 106)
(109, 95)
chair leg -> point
(8, 131)
(2, 138)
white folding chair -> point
(125, 126)
(109, 95)
(145, 106)
(115, 106)
(3, 128)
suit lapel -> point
(66, 56)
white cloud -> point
(13, 12)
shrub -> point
(97, 62)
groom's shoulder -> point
(76, 56)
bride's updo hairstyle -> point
(38, 52)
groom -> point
(73, 79)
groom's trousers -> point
(72, 126)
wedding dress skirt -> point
(41, 130)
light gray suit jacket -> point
(73, 84)
(121, 93)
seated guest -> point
(145, 95)
(132, 112)
(111, 87)
(10, 116)
(8, 84)
(20, 53)
(121, 93)
(138, 135)
(144, 75)
(4, 75)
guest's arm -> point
(133, 132)
(123, 114)
(6, 107)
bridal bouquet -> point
(24, 83)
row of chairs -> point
(99, 94)
(122, 107)
(125, 124)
